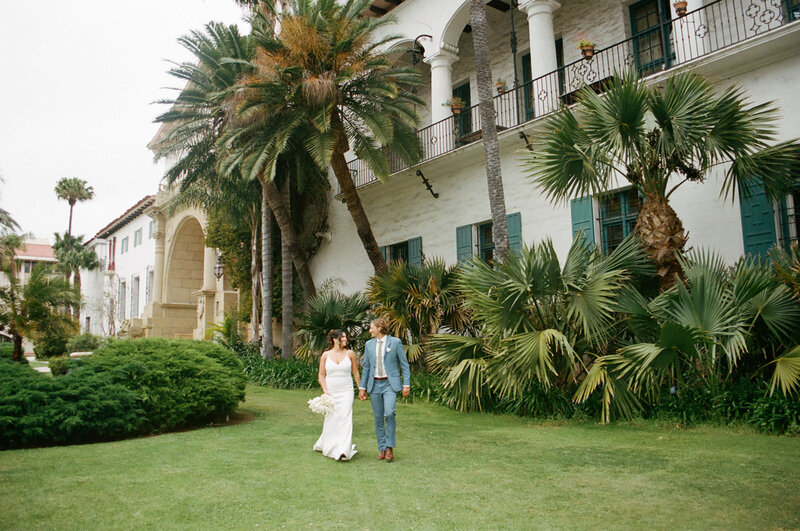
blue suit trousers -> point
(384, 400)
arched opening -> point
(184, 271)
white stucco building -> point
(115, 295)
(752, 43)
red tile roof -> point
(36, 251)
(126, 217)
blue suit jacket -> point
(394, 360)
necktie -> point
(379, 360)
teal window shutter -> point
(514, 222)
(464, 243)
(384, 251)
(583, 218)
(415, 251)
(758, 221)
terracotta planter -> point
(501, 88)
(680, 8)
(587, 52)
(456, 109)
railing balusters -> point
(715, 26)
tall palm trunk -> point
(491, 148)
(266, 276)
(254, 271)
(284, 220)
(69, 227)
(17, 354)
(76, 283)
(663, 237)
(351, 197)
(287, 306)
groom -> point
(381, 379)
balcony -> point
(716, 26)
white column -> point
(441, 83)
(158, 265)
(209, 261)
(543, 52)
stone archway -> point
(183, 274)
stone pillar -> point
(691, 32)
(158, 265)
(209, 261)
(441, 83)
(543, 52)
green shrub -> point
(60, 365)
(6, 351)
(280, 373)
(179, 382)
(127, 387)
(50, 344)
(37, 410)
(84, 343)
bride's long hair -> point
(333, 335)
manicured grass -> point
(452, 470)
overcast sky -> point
(77, 82)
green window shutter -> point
(514, 222)
(758, 221)
(583, 218)
(785, 241)
(415, 251)
(384, 252)
(464, 243)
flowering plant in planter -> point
(501, 85)
(455, 103)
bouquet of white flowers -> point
(321, 405)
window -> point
(88, 328)
(765, 224)
(26, 266)
(124, 246)
(790, 219)
(150, 227)
(481, 234)
(652, 34)
(137, 238)
(618, 212)
(409, 252)
(148, 297)
(123, 292)
(792, 10)
(135, 297)
(527, 77)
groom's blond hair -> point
(381, 325)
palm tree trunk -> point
(663, 237)
(17, 354)
(351, 197)
(69, 227)
(266, 277)
(491, 148)
(76, 283)
(287, 307)
(281, 213)
(254, 272)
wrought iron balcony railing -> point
(674, 42)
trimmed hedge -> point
(280, 373)
(126, 388)
(6, 350)
(84, 342)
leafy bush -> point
(51, 343)
(127, 387)
(36, 409)
(6, 351)
(179, 382)
(83, 343)
(59, 365)
(280, 373)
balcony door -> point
(463, 120)
(527, 76)
(652, 35)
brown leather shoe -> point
(381, 455)
(389, 455)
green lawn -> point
(452, 470)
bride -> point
(335, 369)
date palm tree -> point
(73, 256)
(491, 147)
(322, 74)
(72, 190)
(29, 309)
(657, 138)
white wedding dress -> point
(336, 440)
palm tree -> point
(322, 75)
(657, 138)
(72, 190)
(28, 310)
(332, 310)
(491, 148)
(536, 319)
(73, 256)
(710, 328)
(287, 291)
